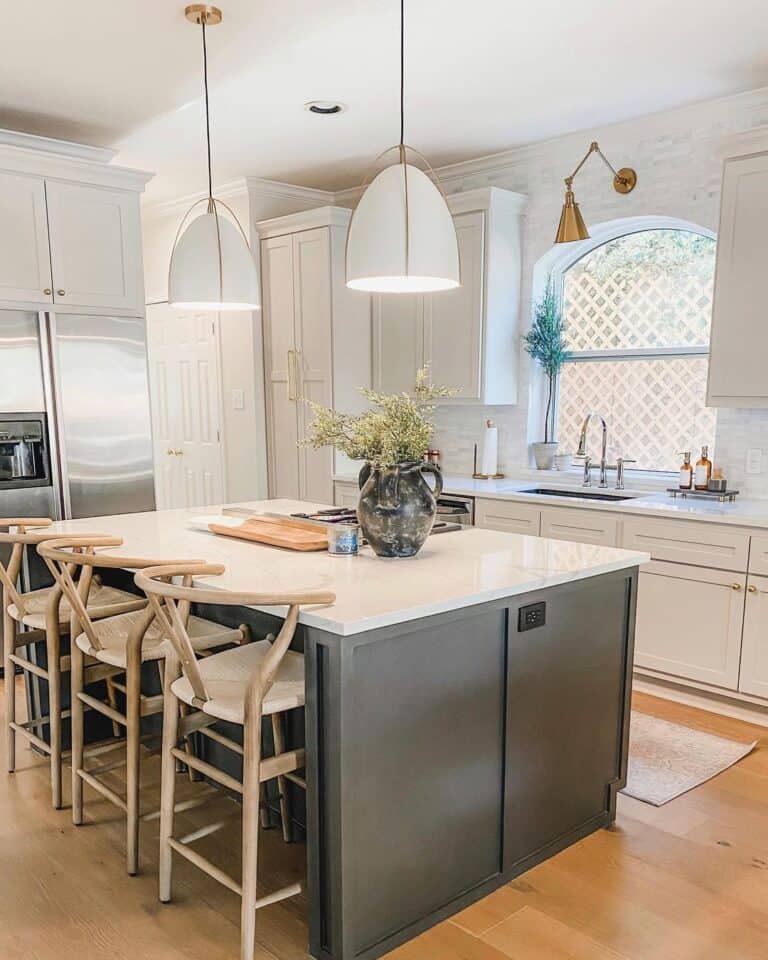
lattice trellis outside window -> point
(637, 311)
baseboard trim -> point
(715, 703)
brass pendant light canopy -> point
(572, 227)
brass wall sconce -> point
(572, 226)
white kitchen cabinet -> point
(753, 676)
(581, 526)
(508, 516)
(317, 344)
(346, 494)
(739, 340)
(95, 238)
(25, 264)
(467, 336)
(684, 541)
(689, 623)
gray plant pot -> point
(396, 509)
(544, 455)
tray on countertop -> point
(714, 496)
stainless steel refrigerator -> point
(75, 430)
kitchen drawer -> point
(758, 556)
(581, 526)
(689, 622)
(508, 516)
(702, 544)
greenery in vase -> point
(545, 343)
(396, 428)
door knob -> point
(60, 293)
(47, 291)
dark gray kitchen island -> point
(467, 712)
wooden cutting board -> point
(276, 532)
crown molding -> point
(275, 189)
(180, 205)
(327, 216)
(61, 148)
(744, 143)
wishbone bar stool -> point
(240, 686)
(120, 645)
(36, 617)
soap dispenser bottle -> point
(703, 470)
(686, 471)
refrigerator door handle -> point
(59, 474)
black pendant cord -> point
(402, 72)
(207, 113)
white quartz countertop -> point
(744, 511)
(452, 571)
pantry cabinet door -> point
(312, 312)
(453, 328)
(689, 622)
(280, 367)
(25, 263)
(95, 237)
(753, 677)
(739, 341)
(398, 341)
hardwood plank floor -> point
(687, 881)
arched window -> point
(637, 311)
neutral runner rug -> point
(666, 759)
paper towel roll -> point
(489, 462)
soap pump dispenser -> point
(686, 471)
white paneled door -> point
(184, 385)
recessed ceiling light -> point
(325, 108)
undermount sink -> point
(586, 494)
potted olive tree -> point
(396, 507)
(545, 343)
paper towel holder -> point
(484, 476)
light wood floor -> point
(688, 881)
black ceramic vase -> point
(397, 507)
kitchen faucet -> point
(582, 451)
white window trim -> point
(555, 262)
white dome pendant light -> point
(211, 266)
(401, 237)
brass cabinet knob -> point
(735, 586)
(60, 293)
(752, 589)
(178, 453)
(47, 291)
(169, 452)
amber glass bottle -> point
(703, 470)
(686, 472)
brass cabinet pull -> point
(297, 374)
(752, 589)
(47, 291)
(60, 293)
(735, 586)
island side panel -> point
(569, 688)
(405, 795)
(406, 728)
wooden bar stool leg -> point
(251, 789)
(133, 747)
(168, 785)
(77, 684)
(53, 647)
(9, 637)
(278, 735)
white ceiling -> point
(482, 76)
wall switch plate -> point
(754, 460)
(532, 615)
(238, 399)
